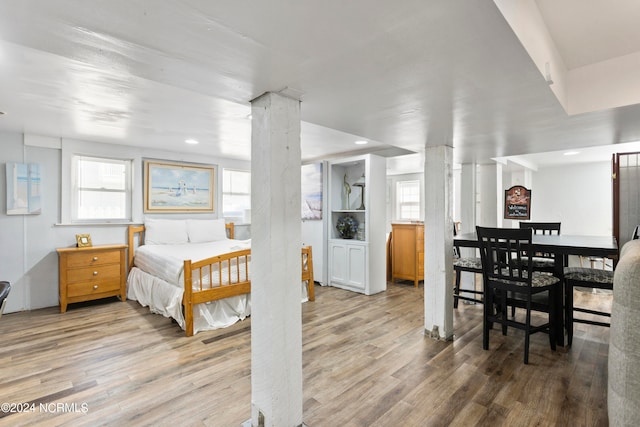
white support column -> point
(492, 196)
(468, 217)
(438, 230)
(276, 319)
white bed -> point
(220, 284)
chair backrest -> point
(501, 252)
(5, 287)
(548, 228)
(542, 227)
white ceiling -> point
(400, 74)
(586, 32)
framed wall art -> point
(178, 187)
(312, 191)
(23, 189)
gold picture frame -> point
(178, 187)
(83, 240)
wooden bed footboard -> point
(230, 273)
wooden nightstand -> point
(92, 273)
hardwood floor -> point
(366, 362)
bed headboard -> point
(139, 231)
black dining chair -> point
(510, 281)
(542, 261)
(591, 278)
(468, 264)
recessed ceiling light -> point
(362, 142)
(2, 113)
(191, 141)
(571, 153)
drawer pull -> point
(95, 273)
(95, 258)
(95, 286)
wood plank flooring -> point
(366, 362)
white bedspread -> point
(166, 299)
(157, 281)
(166, 261)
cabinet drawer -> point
(93, 273)
(84, 259)
(94, 287)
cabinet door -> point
(357, 262)
(404, 251)
(338, 263)
(420, 251)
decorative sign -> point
(517, 203)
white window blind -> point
(236, 195)
(101, 189)
(408, 199)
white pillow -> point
(165, 231)
(206, 230)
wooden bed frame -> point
(191, 269)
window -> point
(101, 189)
(408, 199)
(236, 195)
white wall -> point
(28, 252)
(579, 196)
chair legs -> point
(496, 308)
(457, 291)
(568, 315)
(456, 288)
(487, 323)
(527, 332)
(570, 308)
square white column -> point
(276, 313)
(438, 242)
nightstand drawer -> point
(83, 259)
(89, 288)
(93, 273)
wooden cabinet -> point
(349, 265)
(357, 187)
(91, 273)
(407, 249)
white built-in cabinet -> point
(358, 264)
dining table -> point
(562, 245)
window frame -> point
(399, 203)
(224, 212)
(73, 213)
